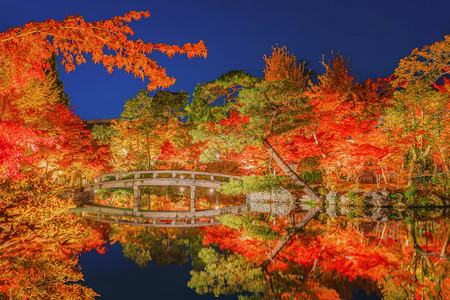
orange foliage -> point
(341, 127)
(40, 242)
(282, 65)
(29, 48)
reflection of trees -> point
(39, 244)
(321, 261)
(163, 246)
(425, 266)
(165, 198)
(115, 197)
(243, 264)
(227, 274)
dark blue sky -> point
(373, 34)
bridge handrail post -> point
(193, 208)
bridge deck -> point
(159, 177)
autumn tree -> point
(263, 110)
(39, 136)
(40, 242)
(26, 52)
(417, 117)
(341, 122)
(30, 47)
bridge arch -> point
(138, 179)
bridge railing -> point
(165, 174)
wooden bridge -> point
(138, 179)
(159, 177)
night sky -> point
(373, 34)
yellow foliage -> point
(283, 65)
(430, 61)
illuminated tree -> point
(263, 111)
(25, 53)
(417, 117)
(40, 242)
(29, 49)
(150, 116)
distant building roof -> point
(91, 122)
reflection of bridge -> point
(156, 218)
(135, 216)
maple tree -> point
(29, 48)
(261, 111)
(40, 242)
(342, 118)
(25, 56)
(44, 135)
(42, 140)
(417, 116)
(15, 141)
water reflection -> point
(318, 253)
(401, 257)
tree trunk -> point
(148, 153)
(305, 220)
(270, 282)
(412, 166)
(316, 140)
(382, 173)
(288, 171)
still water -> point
(303, 253)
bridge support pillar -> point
(193, 198)
(137, 198)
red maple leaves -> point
(29, 48)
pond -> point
(177, 244)
(324, 253)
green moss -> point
(322, 191)
(351, 214)
(432, 200)
(323, 217)
(356, 199)
(251, 184)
